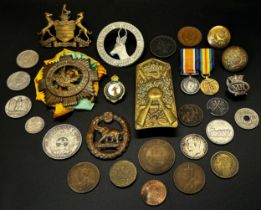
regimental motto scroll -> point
(155, 101)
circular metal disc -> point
(224, 164)
(189, 36)
(190, 114)
(209, 86)
(246, 118)
(27, 59)
(163, 46)
(189, 85)
(18, 106)
(18, 80)
(62, 141)
(34, 125)
(156, 156)
(219, 37)
(220, 131)
(83, 177)
(217, 106)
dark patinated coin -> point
(163, 46)
(217, 106)
(190, 114)
(83, 177)
(156, 156)
(189, 178)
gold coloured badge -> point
(155, 102)
(65, 30)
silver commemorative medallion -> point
(34, 125)
(18, 80)
(220, 131)
(189, 85)
(124, 59)
(217, 106)
(18, 106)
(246, 118)
(62, 141)
(194, 146)
(27, 59)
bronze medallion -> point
(156, 156)
(83, 177)
(123, 173)
(209, 86)
(189, 36)
(219, 37)
(234, 58)
(105, 142)
(154, 192)
(190, 114)
(189, 178)
(155, 102)
(224, 164)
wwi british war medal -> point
(189, 178)
(224, 164)
(123, 173)
(194, 146)
(189, 36)
(237, 86)
(163, 46)
(83, 177)
(155, 102)
(65, 30)
(120, 47)
(234, 58)
(156, 156)
(190, 114)
(18, 106)
(27, 59)
(217, 106)
(114, 90)
(218, 37)
(34, 125)
(189, 58)
(112, 142)
(154, 192)
(220, 131)
(246, 118)
(62, 141)
(69, 81)
(18, 80)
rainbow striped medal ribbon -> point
(189, 58)
(208, 86)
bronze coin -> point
(83, 177)
(219, 37)
(156, 156)
(123, 173)
(190, 114)
(224, 164)
(189, 178)
(154, 192)
(234, 58)
(189, 36)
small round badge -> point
(114, 90)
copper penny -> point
(154, 192)
(83, 177)
(190, 114)
(156, 156)
(189, 178)
(189, 36)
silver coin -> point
(18, 80)
(62, 141)
(34, 125)
(220, 131)
(194, 146)
(246, 118)
(217, 106)
(18, 106)
(27, 59)
(189, 85)
(120, 47)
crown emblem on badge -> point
(61, 33)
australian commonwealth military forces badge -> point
(61, 33)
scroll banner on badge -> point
(196, 59)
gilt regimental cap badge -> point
(64, 32)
